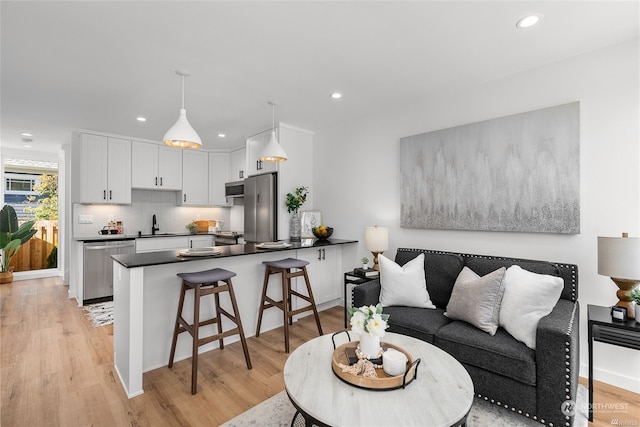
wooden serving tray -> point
(384, 381)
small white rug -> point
(277, 411)
(100, 314)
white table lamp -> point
(619, 258)
(376, 240)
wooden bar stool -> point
(283, 267)
(205, 283)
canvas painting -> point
(515, 173)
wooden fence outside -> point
(33, 254)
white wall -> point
(606, 84)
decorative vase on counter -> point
(295, 227)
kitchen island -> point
(146, 292)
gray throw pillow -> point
(476, 300)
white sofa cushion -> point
(404, 285)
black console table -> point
(603, 328)
(351, 278)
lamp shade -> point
(181, 134)
(619, 257)
(273, 151)
(376, 239)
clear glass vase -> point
(295, 227)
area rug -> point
(100, 314)
(277, 411)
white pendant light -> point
(182, 134)
(273, 151)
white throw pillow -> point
(406, 285)
(528, 297)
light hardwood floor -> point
(57, 370)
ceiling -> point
(99, 65)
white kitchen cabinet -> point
(324, 270)
(218, 176)
(238, 164)
(105, 169)
(195, 177)
(155, 244)
(155, 166)
(255, 145)
(200, 241)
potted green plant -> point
(365, 262)
(635, 296)
(12, 237)
(294, 202)
(192, 227)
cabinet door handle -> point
(185, 197)
(160, 181)
(110, 195)
(323, 253)
(156, 181)
(104, 194)
(190, 244)
(240, 174)
(319, 254)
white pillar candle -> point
(394, 362)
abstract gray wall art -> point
(514, 173)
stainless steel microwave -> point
(234, 189)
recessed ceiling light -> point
(529, 20)
(27, 145)
(141, 119)
(26, 134)
(221, 135)
(336, 95)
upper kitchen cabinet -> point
(104, 166)
(155, 166)
(195, 177)
(218, 175)
(238, 164)
(255, 145)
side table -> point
(602, 327)
(351, 278)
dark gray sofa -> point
(534, 383)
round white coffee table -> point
(441, 395)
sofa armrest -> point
(557, 361)
(367, 294)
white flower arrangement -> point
(368, 320)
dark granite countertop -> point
(168, 257)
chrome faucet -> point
(154, 226)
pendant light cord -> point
(273, 117)
(183, 91)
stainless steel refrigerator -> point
(260, 208)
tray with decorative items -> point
(392, 368)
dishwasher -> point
(98, 267)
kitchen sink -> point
(158, 235)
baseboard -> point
(621, 381)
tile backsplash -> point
(138, 215)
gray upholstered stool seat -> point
(287, 263)
(207, 276)
(205, 283)
(284, 267)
